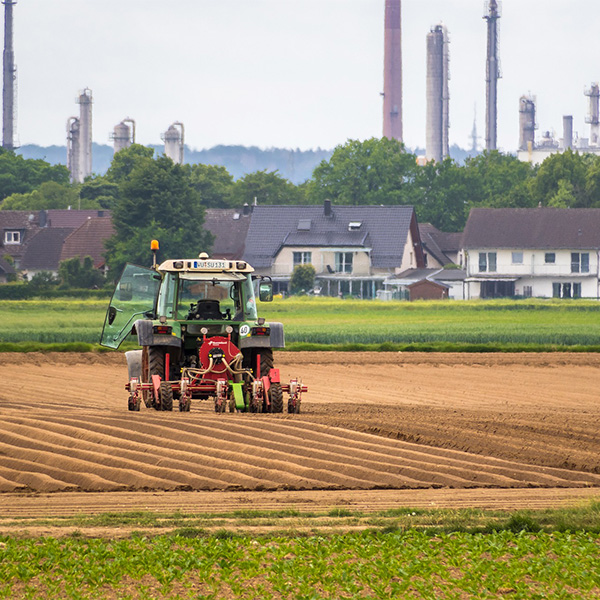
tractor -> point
(200, 336)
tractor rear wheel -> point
(276, 394)
(165, 393)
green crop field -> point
(312, 323)
(525, 556)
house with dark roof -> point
(413, 284)
(540, 252)
(352, 248)
(34, 239)
(441, 248)
(229, 228)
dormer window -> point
(12, 237)
(354, 225)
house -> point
(229, 228)
(88, 240)
(19, 231)
(7, 271)
(541, 252)
(441, 248)
(353, 249)
(43, 251)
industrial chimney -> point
(8, 81)
(492, 74)
(567, 132)
(173, 139)
(123, 135)
(85, 133)
(437, 94)
(593, 117)
(526, 122)
(392, 72)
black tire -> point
(266, 361)
(276, 394)
(165, 393)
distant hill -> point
(295, 165)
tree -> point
(21, 176)
(440, 195)
(49, 195)
(214, 183)
(562, 179)
(496, 180)
(376, 171)
(266, 188)
(100, 191)
(156, 201)
(77, 273)
(303, 279)
(124, 162)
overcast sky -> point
(290, 73)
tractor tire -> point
(266, 361)
(166, 396)
(153, 363)
(276, 394)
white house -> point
(532, 252)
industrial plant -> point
(437, 126)
(536, 151)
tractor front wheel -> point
(276, 394)
(165, 393)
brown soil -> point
(375, 429)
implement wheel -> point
(166, 396)
(276, 394)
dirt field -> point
(376, 430)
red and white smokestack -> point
(392, 72)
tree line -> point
(151, 197)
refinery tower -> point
(392, 72)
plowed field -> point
(370, 423)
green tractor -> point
(201, 337)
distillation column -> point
(173, 139)
(392, 72)
(593, 117)
(123, 135)
(85, 134)
(437, 94)
(8, 81)
(492, 74)
(526, 123)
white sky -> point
(290, 73)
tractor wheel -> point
(153, 363)
(266, 361)
(276, 398)
(166, 396)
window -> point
(304, 225)
(527, 291)
(354, 225)
(550, 258)
(343, 262)
(302, 258)
(487, 262)
(566, 290)
(580, 262)
(517, 258)
(12, 237)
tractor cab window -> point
(223, 296)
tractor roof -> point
(204, 265)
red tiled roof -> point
(88, 240)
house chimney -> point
(327, 208)
(246, 210)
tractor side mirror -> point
(112, 313)
(265, 291)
